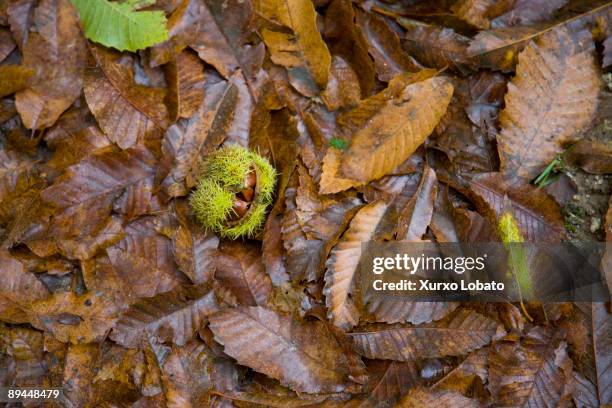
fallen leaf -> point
(416, 215)
(171, 316)
(128, 113)
(343, 262)
(458, 334)
(528, 12)
(384, 46)
(55, 50)
(401, 123)
(13, 78)
(185, 75)
(301, 355)
(419, 397)
(301, 50)
(475, 12)
(602, 344)
(591, 156)
(538, 215)
(240, 270)
(538, 118)
(7, 44)
(516, 368)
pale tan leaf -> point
(387, 128)
(343, 263)
(552, 98)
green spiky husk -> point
(223, 175)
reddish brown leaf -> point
(55, 50)
(301, 355)
(528, 12)
(384, 47)
(185, 74)
(591, 156)
(128, 113)
(172, 316)
(195, 251)
(343, 263)
(602, 345)
(461, 333)
(342, 89)
(188, 141)
(7, 45)
(143, 260)
(475, 12)
(535, 373)
(240, 270)
(552, 98)
(416, 216)
(388, 381)
(347, 41)
(607, 60)
(538, 215)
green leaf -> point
(119, 25)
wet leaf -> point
(343, 263)
(55, 50)
(301, 355)
(459, 334)
(128, 113)
(171, 316)
(419, 397)
(552, 98)
(186, 85)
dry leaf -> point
(298, 45)
(185, 75)
(419, 397)
(552, 98)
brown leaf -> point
(240, 270)
(7, 44)
(18, 289)
(188, 141)
(401, 123)
(475, 12)
(404, 310)
(20, 16)
(538, 216)
(195, 251)
(347, 41)
(606, 261)
(458, 334)
(535, 373)
(185, 74)
(342, 89)
(55, 50)
(435, 47)
(143, 261)
(461, 378)
(421, 397)
(84, 194)
(384, 47)
(498, 48)
(388, 381)
(127, 112)
(343, 262)
(13, 78)
(294, 42)
(552, 98)
(172, 316)
(416, 216)
(79, 373)
(528, 12)
(76, 319)
(311, 226)
(602, 347)
(301, 355)
(591, 156)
